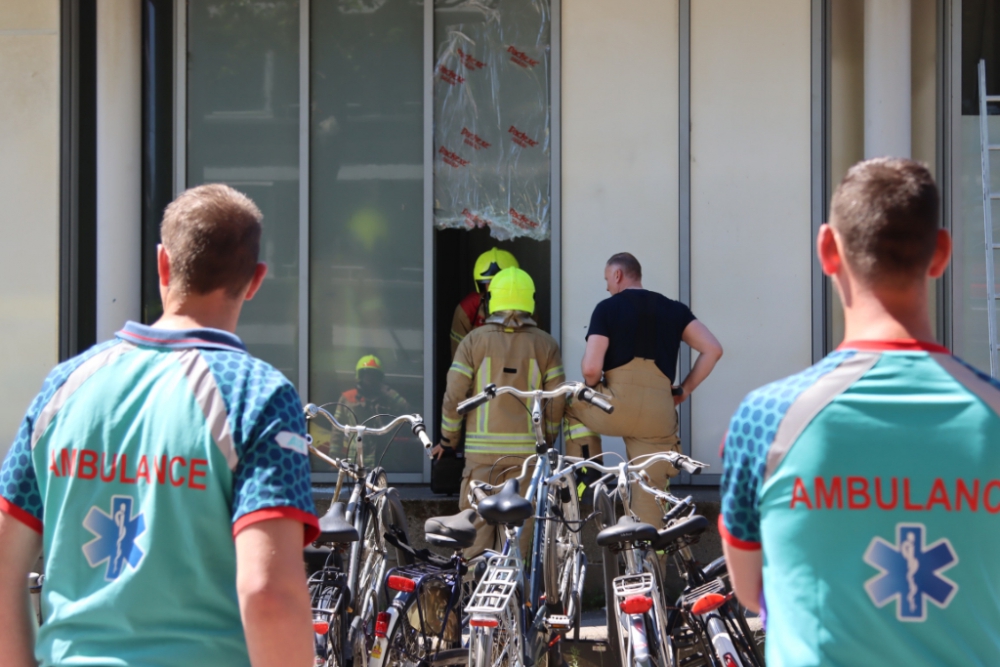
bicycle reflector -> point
(321, 627)
(402, 584)
(483, 622)
(708, 602)
(636, 604)
(382, 624)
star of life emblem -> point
(115, 537)
(910, 572)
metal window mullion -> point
(684, 203)
(180, 96)
(818, 159)
(428, 223)
(304, 53)
(555, 119)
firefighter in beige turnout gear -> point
(471, 313)
(508, 350)
(633, 340)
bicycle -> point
(649, 630)
(517, 619)
(358, 529)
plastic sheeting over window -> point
(491, 117)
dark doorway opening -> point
(455, 253)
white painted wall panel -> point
(29, 190)
(619, 133)
(119, 168)
(750, 179)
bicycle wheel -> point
(375, 557)
(562, 558)
(329, 646)
(409, 646)
(604, 505)
(503, 645)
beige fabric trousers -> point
(492, 470)
(644, 416)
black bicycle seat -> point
(333, 527)
(693, 525)
(627, 530)
(506, 508)
(716, 568)
(456, 532)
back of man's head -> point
(628, 264)
(886, 214)
(212, 235)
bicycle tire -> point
(606, 507)
(407, 646)
(561, 549)
(505, 648)
(330, 645)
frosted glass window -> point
(243, 126)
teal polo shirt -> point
(871, 481)
(139, 462)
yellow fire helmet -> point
(512, 289)
(490, 263)
(369, 362)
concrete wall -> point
(29, 190)
(619, 160)
(750, 225)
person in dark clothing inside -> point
(631, 355)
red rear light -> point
(728, 660)
(483, 622)
(708, 602)
(321, 627)
(382, 624)
(402, 584)
(636, 604)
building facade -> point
(388, 142)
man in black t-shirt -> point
(633, 340)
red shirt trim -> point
(310, 521)
(16, 512)
(735, 541)
(894, 344)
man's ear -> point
(828, 250)
(163, 265)
(258, 277)
(942, 254)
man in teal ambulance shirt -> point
(861, 496)
(165, 474)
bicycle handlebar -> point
(415, 421)
(566, 390)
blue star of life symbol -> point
(116, 533)
(910, 572)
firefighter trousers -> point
(644, 416)
(492, 469)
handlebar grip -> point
(421, 433)
(597, 400)
(470, 404)
(690, 467)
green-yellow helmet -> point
(490, 263)
(512, 289)
(369, 362)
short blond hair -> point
(212, 235)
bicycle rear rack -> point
(496, 587)
(695, 594)
(633, 584)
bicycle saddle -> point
(333, 527)
(693, 525)
(627, 530)
(506, 508)
(455, 532)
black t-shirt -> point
(640, 323)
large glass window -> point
(366, 215)
(362, 157)
(980, 26)
(242, 130)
